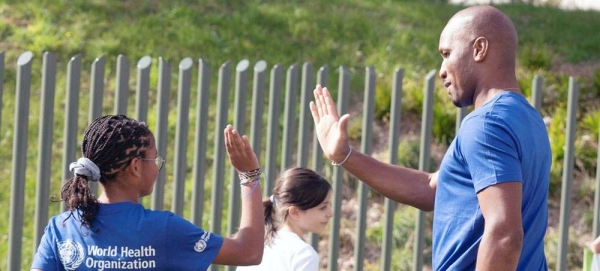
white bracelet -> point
(333, 163)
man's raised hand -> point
(331, 129)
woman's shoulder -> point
(61, 218)
(285, 240)
(160, 213)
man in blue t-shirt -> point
(489, 196)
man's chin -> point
(457, 103)
(461, 103)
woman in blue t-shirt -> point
(114, 231)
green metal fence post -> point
(122, 85)
(45, 145)
(273, 120)
(565, 195)
(424, 156)
(181, 133)
(216, 212)
(304, 119)
(71, 129)
(334, 236)
(394, 132)
(142, 88)
(17, 191)
(239, 122)
(200, 142)
(161, 133)
(291, 88)
(95, 105)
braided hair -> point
(110, 142)
(297, 186)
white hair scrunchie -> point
(87, 168)
(272, 199)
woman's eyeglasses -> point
(159, 161)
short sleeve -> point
(188, 246)
(490, 150)
(45, 257)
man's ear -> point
(480, 49)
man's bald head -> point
(478, 47)
(490, 23)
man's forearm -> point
(404, 185)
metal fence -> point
(288, 139)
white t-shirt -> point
(287, 252)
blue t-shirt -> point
(129, 237)
(505, 140)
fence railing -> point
(288, 139)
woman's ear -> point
(480, 49)
(135, 167)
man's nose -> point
(443, 73)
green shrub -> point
(383, 100)
(355, 128)
(535, 57)
(590, 123)
(574, 250)
(586, 146)
(408, 153)
(403, 235)
(444, 119)
(595, 84)
(412, 99)
(596, 79)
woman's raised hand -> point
(240, 152)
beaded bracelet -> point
(251, 181)
(255, 181)
(249, 174)
(333, 163)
